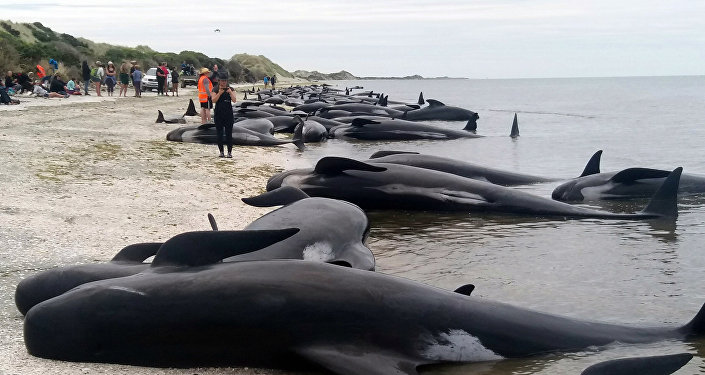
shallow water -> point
(627, 272)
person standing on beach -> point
(124, 78)
(273, 80)
(110, 78)
(161, 79)
(137, 81)
(174, 82)
(214, 77)
(224, 118)
(97, 75)
(266, 81)
(86, 75)
(205, 87)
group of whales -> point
(322, 112)
(295, 288)
(298, 287)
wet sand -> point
(82, 177)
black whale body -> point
(374, 128)
(457, 167)
(206, 134)
(655, 365)
(625, 184)
(283, 313)
(392, 186)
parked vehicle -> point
(149, 82)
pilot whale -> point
(373, 185)
(290, 313)
(625, 184)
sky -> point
(471, 38)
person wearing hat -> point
(205, 87)
(224, 118)
(98, 76)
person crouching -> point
(224, 118)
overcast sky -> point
(475, 39)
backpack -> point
(94, 73)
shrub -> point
(10, 30)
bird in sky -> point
(217, 30)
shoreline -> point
(84, 178)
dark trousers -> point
(224, 133)
(160, 85)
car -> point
(149, 81)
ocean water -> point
(628, 272)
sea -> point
(640, 273)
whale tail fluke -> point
(664, 203)
(593, 165)
(160, 117)
(191, 110)
(515, 128)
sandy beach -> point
(85, 176)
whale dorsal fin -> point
(360, 122)
(421, 101)
(193, 249)
(277, 197)
(664, 202)
(337, 165)
(515, 128)
(160, 117)
(383, 153)
(434, 103)
(191, 109)
(137, 252)
(465, 290)
(630, 175)
(347, 360)
(593, 165)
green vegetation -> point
(260, 66)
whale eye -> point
(341, 263)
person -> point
(97, 75)
(58, 86)
(184, 68)
(10, 80)
(124, 78)
(161, 79)
(137, 81)
(86, 75)
(266, 81)
(41, 92)
(273, 80)
(205, 87)
(25, 80)
(174, 82)
(110, 78)
(71, 87)
(214, 77)
(224, 118)
(132, 68)
(5, 97)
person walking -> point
(224, 118)
(174, 82)
(137, 80)
(86, 75)
(124, 78)
(205, 87)
(161, 79)
(110, 78)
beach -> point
(85, 176)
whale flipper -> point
(137, 252)
(298, 139)
(336, 165)
(515, 128)
(277, 197)
(630, 175)
(656, 365)
(665, 200)
(465, 289)
(384, 153)
(593, 165)
(193, 249)
(373, 363)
